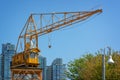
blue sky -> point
(89, 36)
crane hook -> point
(49, 42)
(49, 46)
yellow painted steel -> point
(29, 58)
(29, 34)
(26, 72)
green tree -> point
(89, 67)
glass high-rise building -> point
(49, 73)
(0, 67)
(8, 51)
(42, 61)
(57, 70)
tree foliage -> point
(89, 67)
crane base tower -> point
(27, 73)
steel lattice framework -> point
(38, 25)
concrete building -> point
(8, 51)
(42, 61)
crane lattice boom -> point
(25, 62)
(49, 22)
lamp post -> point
(103, 65)
(110, 61)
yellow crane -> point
(27, 51)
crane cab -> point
(31, 57)
(28, 58)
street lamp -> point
(110, 61)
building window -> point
(33, 55)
